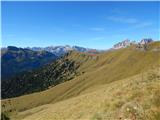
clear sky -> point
(89, 24)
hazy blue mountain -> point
(61, 50)
(15, 60)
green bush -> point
(4, 116)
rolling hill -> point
(118, 84)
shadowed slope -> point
(16, 60)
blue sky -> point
(89, 24)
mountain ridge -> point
(15, 60)
(61, 50)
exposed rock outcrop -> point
(145, 41)
(122, 44)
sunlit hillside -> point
(134, 98)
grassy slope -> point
(95, 71)
(108, 102)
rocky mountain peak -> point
(146, 41)
(122, 44)
(128, 42)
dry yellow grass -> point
(120, 99)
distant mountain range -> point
(61, 50)
(128, 42)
